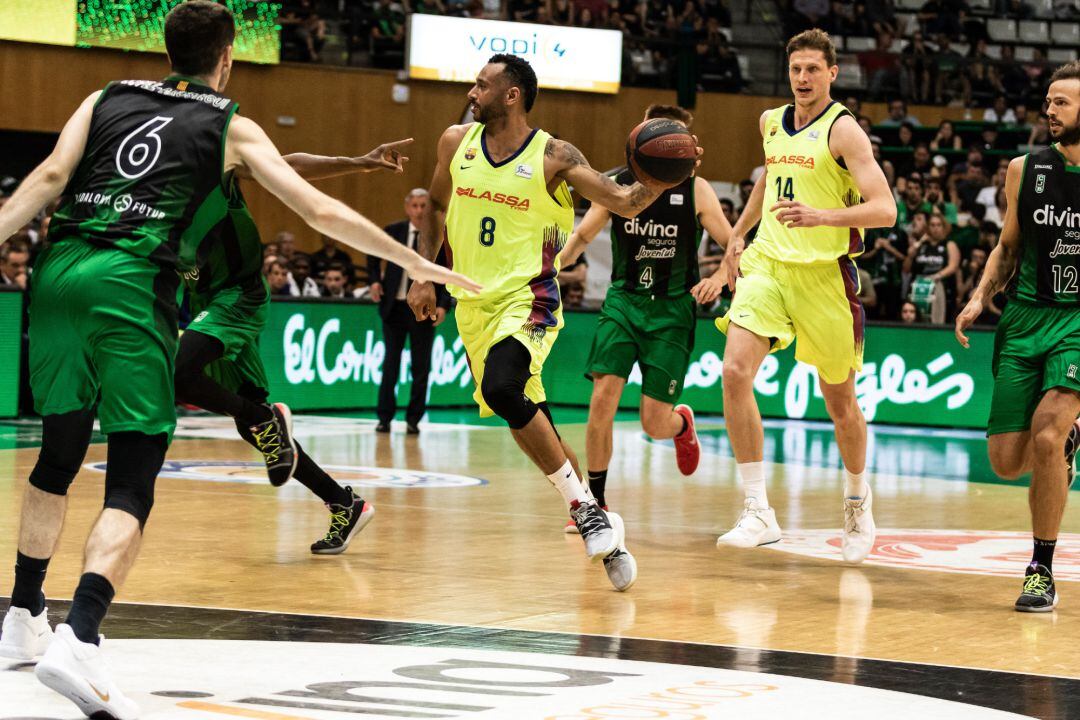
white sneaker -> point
(859, 528)
(756, 526)
(77, 671)
(600, 538)
(621, 567)
(25, 636)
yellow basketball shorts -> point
(817, 304)
(533, 320)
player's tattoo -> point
(562, 150)
(641, 197)
(994, 282)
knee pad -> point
(134, 462)
(506, 371)
(64, 440)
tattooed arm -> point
(1003, 259)
(563, 160)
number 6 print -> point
(141, 149)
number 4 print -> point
(141, 149)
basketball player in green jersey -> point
(218, 365)
(503, 187)
(649, 312)
(798, 281)
(140, 167)
(1036, 361)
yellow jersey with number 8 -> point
(800, 167)
(504, 229)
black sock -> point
(193, 386)
(1044, 553)
(597, 481)
(88, 607)
(315, 479)
(685, 425)
(29, 577)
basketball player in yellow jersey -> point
(503, 188)
(799, 283)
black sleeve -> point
(374, 269)
(442, 295)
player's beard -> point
(1068, 135)
(489, 113)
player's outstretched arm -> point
(570, 164)
(386, 156)
(49, 179)
(248, 145)
(422, 298)
(712, 218)
(1001, 264)
(593, 222)
(878, 209)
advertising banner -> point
(10, 342)
(330, 356)
(564, 58)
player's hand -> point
(699, 151)
(967, 318)
(375, 291)
(421, 298)
(706, 291)
(429, 272)
(729, 266)
(795, 215)
(440, 316)
(388, 156)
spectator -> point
(575, 273)
(562, 12)
(935, 201)
(946, 138)
(301, 26)
(1040, 132)
(898, 115)
(905, 135)
(271, 250)
(277, 276)
(728, 209)
(524, 10)
(745, 188)
(1014, 80)
(301, 284)
(980, 83)
(949, 66)
(387, 29)
(718, 66)
(934, 259)
(1023, 117)
(885, 165)
(911, 202)
(1038, 74)
(811, 13)
(880, 66)
(916, 61)
(574, 295)
(909, 313)
(330, 254)
(334, 282)
(14, 261)
(1018, 10)
(999, 112)
(988, 235)
(883, 260)
(286, 245)
(881, 15)
(425, 7)
(966, 189)
(867, 127)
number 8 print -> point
(145, 149)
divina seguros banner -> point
(323, 355)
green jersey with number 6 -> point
(503, 228)
(800, 167)
(1049, 272)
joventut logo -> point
(522, 46)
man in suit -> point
(389, 286)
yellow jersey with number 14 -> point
(503, 228)
(800, 167)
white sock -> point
(752, 475)
(854, 484)
(568, 484)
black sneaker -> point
(1039, 594)
(412, 429)
(1072, 443)
(345, 522)
(383, 427)
(274, 440)
(600, 538)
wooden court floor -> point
(467, 533)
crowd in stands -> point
(656, 32)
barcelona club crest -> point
(470, 153)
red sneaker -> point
(687, 449)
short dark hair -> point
(196, 33)
(1068, 71)
(520, 74)
(814, 39)
(336, 266)
(727, 203)
(671, 112)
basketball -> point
(661, 151)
